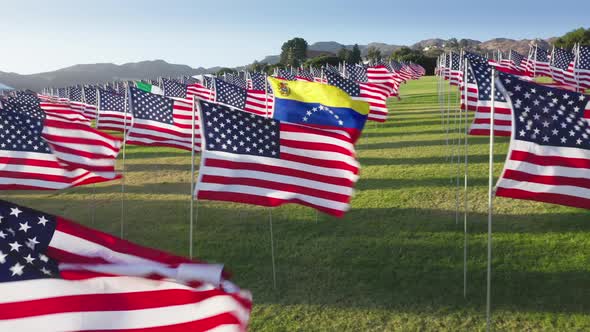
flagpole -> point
(490, 202)
(96, 126)
(192, 203)
(466, 100)
(127, 106)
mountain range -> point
(104, 72)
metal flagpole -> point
(127, 107)
(458, 121)
(272, 246)
(191, 192)
(96, 126)
(466, 100)
(490, 203)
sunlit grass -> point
(394, 262)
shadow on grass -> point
(408, 260)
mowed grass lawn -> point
(394, 263)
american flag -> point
(549, 154)
(41, 152)
(538, 64)
(174, 89)
(562, 64)
(386, 81)
(200, 91)
(582, 68)
(57, 275)
(258, 81)
(472, 93)
(262, 161)
(162, 121)
(89, 99)
(317, 75)
(285, 74)
(253, 101)
(112, 112)
(455, 71)
(517, 62)
(63, 112)
(188, 80)
(368, 92)
(235, 79)
(356, 73)
(304, 75)
(482, 72)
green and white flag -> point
(149, 88)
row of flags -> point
(163, 113)
(549, 154)
(264, 140)
(568, 68)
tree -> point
(374, 54)
(568, 40)
(417, 56)
(294, 52)
(258, 66)
(355, 54)
(320, 61)
(224, 70)
(344, 54)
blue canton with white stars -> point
(236, 79)
(349, 86)
(356, 73)
(90, 95)
(110, 101)
(286, 74)
(542, 55)
(305, 74)
(239, 132)
(516, 58)
(24, 237)
(258, 81)
(396, 66)
(584, 58)
(547, 116)
(153, 107)
(76, 94)
(482, 73)
(455, 61)
(562, 58)
(21, 127)
(173, 88)
(230, 94)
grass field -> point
(394, 263)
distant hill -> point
(104, 72)
(492, 45)
(98, 73)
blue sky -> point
(232, 33)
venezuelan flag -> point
(318, 105)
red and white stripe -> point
(80, 146)
(112, 284)
(90, 111)
(176, 135)
(113, 120)
(472, 96)
(62, 111)
(558, 175)
(200, 91)
(385, 80)
(317, 168)
(377, 99)
(502, 119)
(259, 103)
